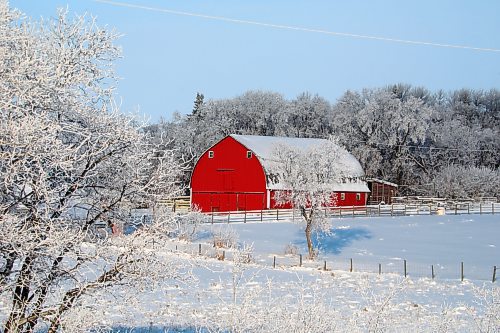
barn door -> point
(228, 181)
(215, 202)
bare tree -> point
(308, 177)
(71, 168)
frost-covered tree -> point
(72, 167)
(308, 177)
(382, 127)
(458, 182)
(308, 117)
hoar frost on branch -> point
(307, 178)
(69, 161)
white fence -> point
(359, 211)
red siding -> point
(350, 199)
(229, 181)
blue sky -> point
(168, 58)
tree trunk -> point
(20, 298)
(308, 231)
(309, 240)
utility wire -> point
(296, 28)
(428, 147)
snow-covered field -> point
(233, 295)
(238, 296)
(442, 241)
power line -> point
(296, 28)
(428, 147)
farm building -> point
(381, 191)
(232, 175)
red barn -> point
(231, 175)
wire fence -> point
(358, 211)
(400, 266)
(459, 271)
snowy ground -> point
(235, 296)
(232, 295)
(442, 241)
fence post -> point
(405, 267)
(300, 260)
(405, 209)
(261, 215)
(245, 217)
(228, 216)
(430, 209)
(379, 269)
(199, 249)
(480, 208)
(379, 209)
(392, 209)
(493, 208)
(462, 271)
(468, 208)
(277, 215)
(340, 211)
(352, 210)
(212, 217)
(432, 272)
(293, 214)
(456, 207)
(494, 274)
(324, 266)
(274, 262)
(350, 269)
(223, 255)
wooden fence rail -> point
(357, 211)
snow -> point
(264, 147)
(256, 297)
(442, 241)
(236, 297)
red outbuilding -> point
(232, 176)
(381, 191)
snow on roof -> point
(376, 180)
(263, 147)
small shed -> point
(381, 191)
(232, 175)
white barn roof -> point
(263, 147)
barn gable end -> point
(226, 178)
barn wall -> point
(349, 200)
(229, 181)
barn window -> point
(211, 154)
(342, 196)
(249, 154)
(358, 196)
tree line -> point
(430, 143)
